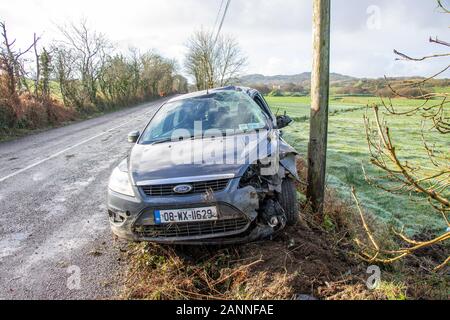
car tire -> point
(289, 202)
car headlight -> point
(120, 182)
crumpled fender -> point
(288, 159)
(286, 148)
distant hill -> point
(284, 79)
(342, 84)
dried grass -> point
(28, 113)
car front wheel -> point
(289, 202)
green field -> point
(348, 151)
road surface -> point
(55, 241)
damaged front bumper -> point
(133, 218)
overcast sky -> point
(274, 34)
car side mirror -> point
(284, 121)
(133, 136)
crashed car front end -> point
(246, 202)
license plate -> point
(186, 215)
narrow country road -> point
(55, 241)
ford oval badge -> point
(183, 189)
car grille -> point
(192, 229)
(197, 187)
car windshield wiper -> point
(161, 141)
(171, 140)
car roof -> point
(251, 92)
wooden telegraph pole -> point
(320, 81)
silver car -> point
(210, 168)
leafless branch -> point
(405, 57)
(374, 253)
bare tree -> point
(231, 60)
(213, 62)
(404, 176)
(90, 49)
(200, 59)
(11, 63)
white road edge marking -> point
(67, 149)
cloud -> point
(275, 34)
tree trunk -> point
(38, 68)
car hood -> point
(200, 157)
